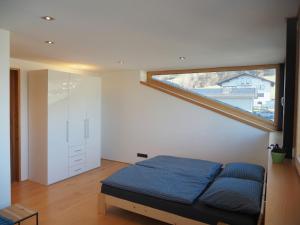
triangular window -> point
(249, 94)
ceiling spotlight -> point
(49, 42)
(182, 58)
(48, 18)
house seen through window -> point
(251, 90)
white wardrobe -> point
(64, 125)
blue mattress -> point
(170, 178)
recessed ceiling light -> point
(48, 18)
(182, 58)
(49, 42)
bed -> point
(176, 190)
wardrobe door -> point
(92, 122)
(57, 126)
(76, 124)
(76, 113)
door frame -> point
(15, 134)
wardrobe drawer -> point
(77, 159)
(76, 150)
(75, 170)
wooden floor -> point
(74, 201)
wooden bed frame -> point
(107, 200)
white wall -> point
(5, 194)
(136, 118)
(276, 137)
(24, 67)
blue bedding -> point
(185, 166)
(170, 178)
(234, 194)
(244, 171)
(5, 221)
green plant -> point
(276, 149)
(278, 154)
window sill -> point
(282, 196)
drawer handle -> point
(77, 150)
(77, 170)
(77, 160)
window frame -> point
(224, 109)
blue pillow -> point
(244, 171)
(234, 194)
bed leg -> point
(101, 204)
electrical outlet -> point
(142, 155)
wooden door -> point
(15, 124)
